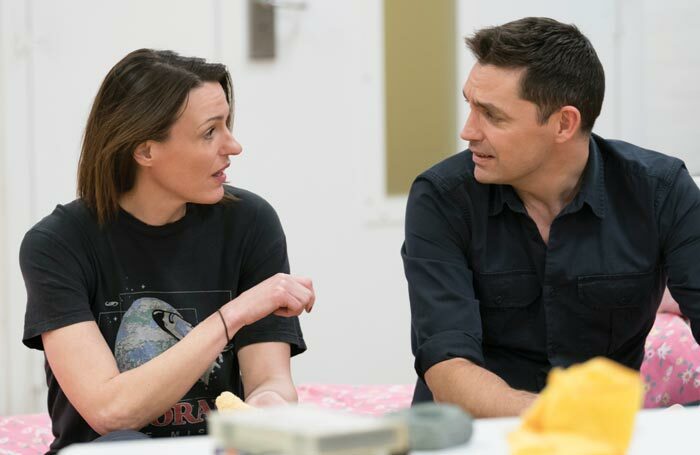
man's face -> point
(508, 144)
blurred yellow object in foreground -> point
(227, 401)
(585, 409)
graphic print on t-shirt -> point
(145, 324)
(148, 328)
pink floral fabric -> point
(25, 434)
(671, 367)
(358, 399)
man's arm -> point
(445, 314)
(679, 226)
(475, 389)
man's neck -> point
(556, 184)
(148, 203)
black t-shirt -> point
(146, 287)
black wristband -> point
(223, 321)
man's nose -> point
(471, 130)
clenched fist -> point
(281, 294)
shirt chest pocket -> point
(608, 292)
(506, 304)
(619, 308)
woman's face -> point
(189, 166)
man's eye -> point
(491, 117)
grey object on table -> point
(433, 426)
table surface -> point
(656, 431)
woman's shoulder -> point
(68, 228)
(245, 201)
(67, 219)
(245, 208)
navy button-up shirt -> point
(485, 287)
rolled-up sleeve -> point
(679, 220)
(445, 317)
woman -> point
(160, 287)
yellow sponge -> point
(587, 409)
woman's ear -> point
(568, 123)
(142, 154)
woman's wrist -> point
(232, 318)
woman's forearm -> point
(140, 395)
(109, 400)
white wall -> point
(311, 124)
(19, 386)
(4, 322)
(669, 73)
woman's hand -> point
(281, 294)
(266, 399)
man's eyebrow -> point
(486, 106)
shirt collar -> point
(500, 195)
(592, 191)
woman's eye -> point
(210, 133)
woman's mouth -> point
(220, 175)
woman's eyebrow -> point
(216, 117)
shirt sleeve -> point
(57, 291)
(679, 219)
(445, 317)
(266, 255)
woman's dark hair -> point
(139, 100)
(561, 66)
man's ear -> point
(568, 123)
(142, 154)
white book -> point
(306, 430)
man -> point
(543, 244)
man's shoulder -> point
(637, 162)
(453, 171)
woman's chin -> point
(211, 197)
